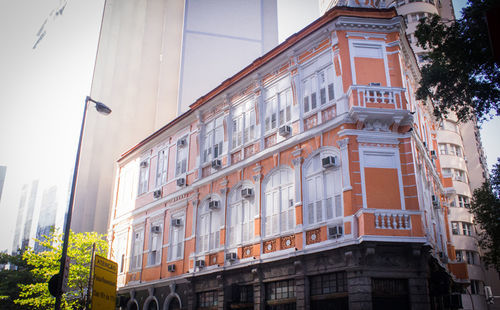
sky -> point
(42, 90)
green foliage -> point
(20, 272)
(461, 75)
(486, 209)
(46, 264)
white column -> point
(344, 152)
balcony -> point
(376, 97)
(392, 220)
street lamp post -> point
(103, 109)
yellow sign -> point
(104, 284)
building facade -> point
(147, 71)
(308, 179)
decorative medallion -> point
(313, 236)
(247, 251)
(287, 242)
(270, 246)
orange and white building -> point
(309, 179)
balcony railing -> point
(375, 97)
(392, 220)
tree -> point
(46, 264)
(19, 272)
(461, 74)
(486, 209)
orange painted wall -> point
(382, 188)
(369, 70)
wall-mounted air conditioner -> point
(216, 164)
(285, 130)
(329, 161)
(176, 222)
(199, 263)
(433, 154)
(156, 229)
(335, 232)
(231, 256)
(144, 164)
(171, 268)
(181, 142)
(246, 192)
(157, 194)
(181, 182)
(213, 205)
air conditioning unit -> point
(214, 204)
(374, 84)
(335, 232)
(156, 229)
(181, 182)
(171, 268)
(285, 130)
(329, 161)
(231, 256)
(157, 194)
(433, 154)
(216, 163)
(181, 142)
(467, 205)
(425, 144)
(199, 263)
(435, 202)
(246, 192)
(144, 164)
(176, 222)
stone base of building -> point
(367, 276)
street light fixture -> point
(103, 109)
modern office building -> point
(24, 232)
(308, 180)
(46, 216)
(3, 174)
(154, 58)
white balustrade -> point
(392, 220)
(361, 95)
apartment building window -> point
(161, 170)
(463, 201)
(447, 173)
(214, 139)
(456, 150)
(454, 228)
(280, 295)
(120, 253)
(207, 300)
(443, 150)
(137, 249)
(467, 229)
(209, 222)
(318, 89)
(329, 291)
(471, 257)
(475, 287)
(155, 243)
(143, 176)
(459, 256)
(175, 249)
(279, 205)
(459, 175)
(241, 216)
(323, 190)
(244, 123)
(182, 155)
(278, 110)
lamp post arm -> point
(67, 222)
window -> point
(137, 248)
(182, 154)
(279, 208)
(244, 123)
(443, 149)
(467, 229)
(155, 243)
(209, 222)
(323, 191)
(463, 201)
(329, 283)
(459, 256)
(454, 228)
(447, 173)
(175, 250)
(143, 176)
(455, 150)
(318, 89)
(459, 175)
(280, 290)
(214, 139)
(207, 300)
(475, 287)
(470, 257)
(120, 251)
(278, 110)
(241, 216)
(161, 170)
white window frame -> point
(279, 212)
(466, 229)
(182, 155)
(176, 238)
(209, 223)
(155, 244)
(244, 118)
(120, 251)
(455, 228)
(213, 144)
(143, 186)
(162, 167)
(137, 249)
(314, 86)
(241, 217)
(317, 211)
